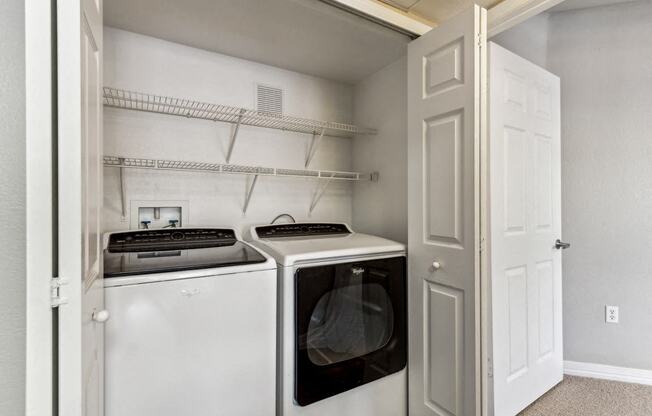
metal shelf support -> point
(123, 190)
(250, 191)
(314, 144)
(321, 189)
(234, 135)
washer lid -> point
(173, 250)
(307, 247)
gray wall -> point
(528, 40)
(604, 58)
(12, 208)
(380, 100)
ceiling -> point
(437, 11)
(306, 36)
(583, 4)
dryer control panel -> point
(301, 230)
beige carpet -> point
(578, 396)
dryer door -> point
(351, 326)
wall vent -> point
(269, 99)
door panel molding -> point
(444, 348)
(444, 68)
(443, 186)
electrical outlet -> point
(611, 314)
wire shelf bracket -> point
(249, 193)
(314, 144)
(123, 191)
(234, 135)
(319, 192)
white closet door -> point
(525, 186)
(445, 79)
(81, 357)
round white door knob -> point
(101, 316)
(436, 265)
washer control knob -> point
(436, 265)
(101, 316)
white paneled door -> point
(446, 68)
(525, 187)
(81, 358)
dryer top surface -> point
(288, 251)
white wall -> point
(604, 58)
(381, 101)
(151, 65)
(12, 207)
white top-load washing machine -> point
(193, 324)
(343, 326)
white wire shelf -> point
(178, 165)
(131, 100)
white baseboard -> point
(608, 372)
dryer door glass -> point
(349, 321)
(350, 326)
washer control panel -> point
(301, 230)
(176, 238)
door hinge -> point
(490, 368)
(481, 39)
(56, 299)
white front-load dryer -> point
(342, 320)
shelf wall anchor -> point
(123, 190)
(321, 189)
(250, 191)
(314, 144)
(234, 135)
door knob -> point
(436, 265)
(101, 316)
(560, 245)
